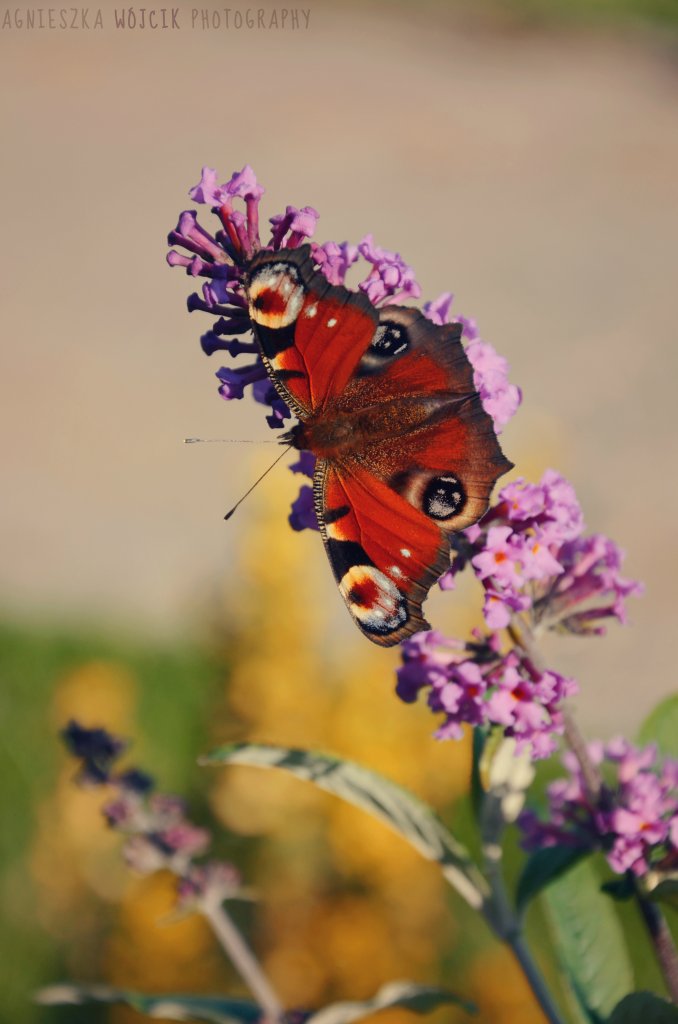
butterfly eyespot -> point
(443, 498)
(390, 340)
(373, 599)
(276, 295)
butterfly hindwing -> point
(385, 555)
(311, 334)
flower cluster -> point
(537, 571)
(634, 819)
(475, 684)
(222, 257)
(530, 554)
(159, 835)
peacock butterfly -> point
(406, 455)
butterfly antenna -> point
(258, 481)
(228, 440)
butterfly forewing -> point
(311, 334)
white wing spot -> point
(405, 552)
(396, 570)
(331, 322)
(311, 311)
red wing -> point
(384, 553)
(442, 456)
(311, 334)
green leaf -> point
(589, 941)
(644, 1008)
(542, 868)
(666, 892)
(216, 1009)
(407, 815)
(661, 727)
(403, 994)
(620, 889)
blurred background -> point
(523, 155)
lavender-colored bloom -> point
(92, 744)
(303, 515)
(135, 781)
(208, 885)
(289, 229)
(185, 838)
(159, 834)
(334, 259)
(635, 821)
(490, 374)
(234, 382)
(143, 855)
(97, 749)
(438, 310)
(530, 556)
(305, 464)
(475, 684)
(264, 393)
(391, 279)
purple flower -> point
(390, 279)
(97, 749)
(490, 374)
(335, 259)
(634, 821)
(302, 516)
(234, 382)
(438, 310)
(475, 684)
(293, 226)
(530, 556)
(208, 885)
(305, 464)
(159, 836)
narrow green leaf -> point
(405, 995)
(661, 727)
(406, 814)
(542, 868)
(589, 940)
(215, 1009)
(644, 1008)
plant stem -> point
(503, 918)
(244, 961)
(662, 940)
(512, 935)
(534, 978)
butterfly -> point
(406, 455)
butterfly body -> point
(337, 432)
(386, 401)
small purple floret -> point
(635, 820)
